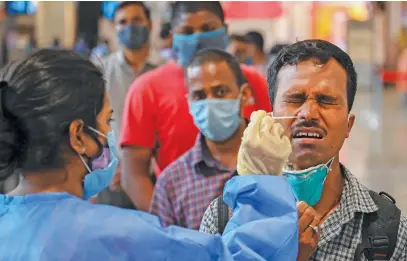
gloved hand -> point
(264, 148)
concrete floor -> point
(376, 152)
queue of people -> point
(203, 122)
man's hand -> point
(115, 183)
(308, 230)
(264, 148)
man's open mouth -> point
(301, 134)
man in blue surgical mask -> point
(156, 111)
(217, 92)
(132, 23)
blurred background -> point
(373, 33)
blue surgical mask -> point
(217, 119)
(185, 46)
(133, 37)
(102, 168)
(308, 184)
(249, 61)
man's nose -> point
(309, 110)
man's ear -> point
(77, 136)
(246, 94)
(351, 121)
(150, 25)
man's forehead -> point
(210, 73)
(199, 17)
(312, 71)
(131, 10)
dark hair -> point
(165, 30)
(238, 38)
(255, 38)
(217, 55)
(275, 49)
(180, 7)
(124, 4)
(40, 96)
(306, 50)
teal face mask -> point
(308, 184)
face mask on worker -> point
(217, 119)
(102, 167)
(133, 37)
(185, 46)
(308, 184)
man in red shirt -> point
(156, 109)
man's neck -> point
(45, 182)
(332, 192)
(226, 152)
(137, 58)
(259, 58)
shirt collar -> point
(355, 197)
(124, 64)
(201, 157)
(202, 160)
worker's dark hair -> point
(275, 49)
(238, 38)
(165, 30)
(180, 7)
(256, 38)
(39, 98)
(306, 50)
(124, 4)
(217, 55)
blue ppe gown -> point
(62, 227)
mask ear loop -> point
(98, 132)
(84, 163)
(330, 162)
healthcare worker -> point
(55, 126)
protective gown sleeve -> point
(264, 227)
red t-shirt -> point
(156, 109)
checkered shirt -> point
(342, 230)
(187, 186)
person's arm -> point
(135, 179)
(209, 223)
(264, 228)
(401, 246)
(138, 134)
(161, 202)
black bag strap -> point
(379, 229)
(223, 214)
(223, 209)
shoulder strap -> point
(223, 214)
(380, 229)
